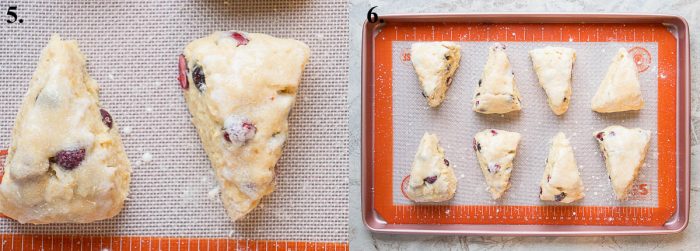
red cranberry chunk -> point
(240, 38)
(198, 78)
(599, 136)
(430, 180)
(182, 76)
(559, 197)
(106, 118)
(238, 129)
(494, 167)
(494, 133)
(69, 159)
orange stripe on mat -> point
(64, 242)
(556, 215)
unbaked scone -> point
(554, 66)
(240, 88)
(620, 89)
(496, 150)
(432, 178)
(66, 162)
(435, 64)
(624, 150)
(496, 91)
(561, 180)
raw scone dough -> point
(553, 66)
(435, 64)
(239, 88)
(496, 150)
(620, 89)
(66, 161)
(496, 91)
(561, 181)
(624, 151)
(432, 178)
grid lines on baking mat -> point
(132, 48)
(494, 213)
(72, 242)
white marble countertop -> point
(362, 239)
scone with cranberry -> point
(240, 88)
(435, 64)
(496, 150)
(66, 162)
(496, 91)
(624, 150)
(620, 89)
(553, 66)
(561, 181)
(432, 178)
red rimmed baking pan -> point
(665, 36)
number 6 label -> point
(372, 16)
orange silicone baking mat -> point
(385, 176)
(67, 242)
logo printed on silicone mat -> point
(404, 185)
(477, 214)
(642, 58)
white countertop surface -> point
(362, 239)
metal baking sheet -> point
(658, 211)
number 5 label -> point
(12, 14)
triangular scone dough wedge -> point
(240, 88)
(432, 178)
(496, 91)
(624, 151)
(620, 89)
(66, 162)
(561, 180)
(435, 64)
(496, 150)
(553, 66)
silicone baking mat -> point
(401, 117)
(132, 49)
(536, 123)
